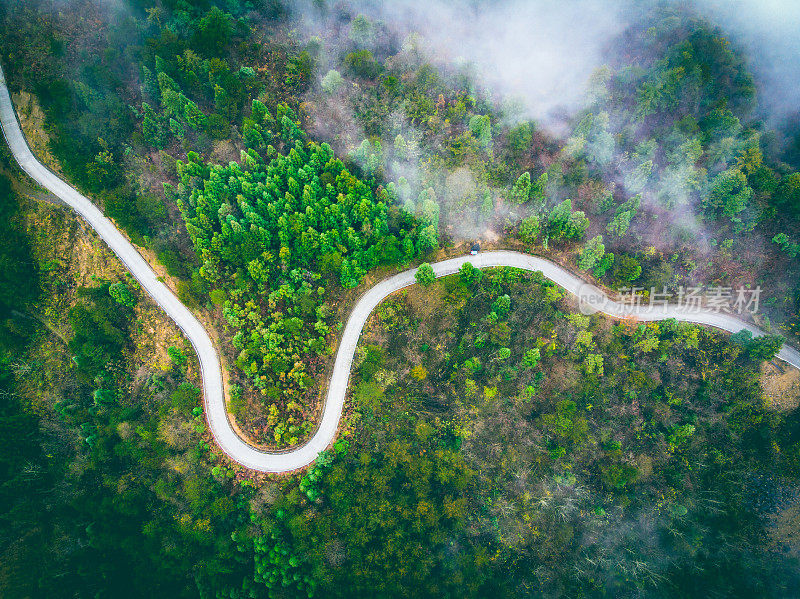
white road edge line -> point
(213, 395)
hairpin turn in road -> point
(213, 393)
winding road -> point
(591, 299)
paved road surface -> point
(213, 395)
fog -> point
(767, 31)
(536, 58)
(541, 53)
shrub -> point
(332, 81)
(425, 275)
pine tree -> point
(152, 129)
(592, 252)
(194, 116)
(150, 84)
(521, 190)
(529, 229)
(539, 189)
(259, 112)
(481, 128)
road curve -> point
(213, 394)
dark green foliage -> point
(172, 262)
(425, 275)
(185, 397)
(569, 453)
(565, 224)
(526, 454)
(268, 233)
(100, 324)
(702, 65)
(177, 356)
(518, 141)
(759, 348)
(87, 113)
(213, 32)
(409, 498)
(299, 70)
(729, 193)
(19, 277)
(362, 64)
(122, 294)
(625, 269)
(121, 205)
(469, 274)
(373, 361)
(25, 476)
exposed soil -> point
(781, 385)
(31, 118)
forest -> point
(275, 159)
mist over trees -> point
(279, 157)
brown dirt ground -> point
(31, 119)
(781, 386)
(785, 530)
